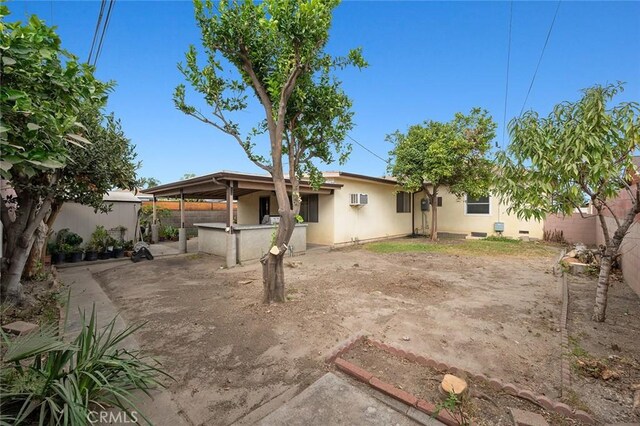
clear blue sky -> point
(428, 60)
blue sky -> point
(427, 60)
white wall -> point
(452, 218)
(378, 219)
(83, 220)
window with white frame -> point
(480, 205)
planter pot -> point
(128, 253)
(73, 257)
(57, 258)
(118, 252)
(104, 255)
(91, 255)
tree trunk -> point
(273, 265)
(34, 260)
(11, 285)
(38, 250)
(434, 216)
(599, 310)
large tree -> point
(581, 152)
(452, 154)
(273, 50)
(43, 90)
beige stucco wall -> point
(452, 218)
(378, 219)
(83, 220)
(629, 250)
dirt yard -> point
(230, 354)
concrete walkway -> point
(85, 293)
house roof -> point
(214, 185)
(385, 180)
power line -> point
(367, 149)
(95, 32)
(506, 88)
(104, 30)
(541, 55)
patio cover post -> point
(231, 238)
(154, 222)
(182, 232)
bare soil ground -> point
(230, 354)
(609, 350)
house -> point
(347, 208)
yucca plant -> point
(48, 381)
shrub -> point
(46, 380)
(501, 239)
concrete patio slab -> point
(333, 401)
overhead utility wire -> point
(506, 88)
(104, 30)
(541, 55)
(368, 150)
(95, 33)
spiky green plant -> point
(48, 381)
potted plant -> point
(110, 244)
(170, 233)
(118, 249)
(57, 256)
(91, 251)
(99, 241)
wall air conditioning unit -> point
(358, 199)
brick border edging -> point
(422, 405)
(345, 345)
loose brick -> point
(20, 328)
(353, 370)
(392, 391)
(584, 417)
(527, 418)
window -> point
(480, 205)
(439, 201)
(403, 202)
(309, 208)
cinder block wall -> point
(575, 228)
(196, 216)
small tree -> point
(277, 49)
(43, 89)
(148, 182)
(453, 154)
(581, 152)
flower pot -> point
(91, 255)
(118, 252)
(74, 257)
(57, 258)
(104, 255)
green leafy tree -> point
(43, 89)
(582, 151)
(452, 154)
(273, 50)
(148, 182)
(95, 169)
(188, 176)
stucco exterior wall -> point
(378, 219)
(83, 220)
(630, 250)
(452, 218)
